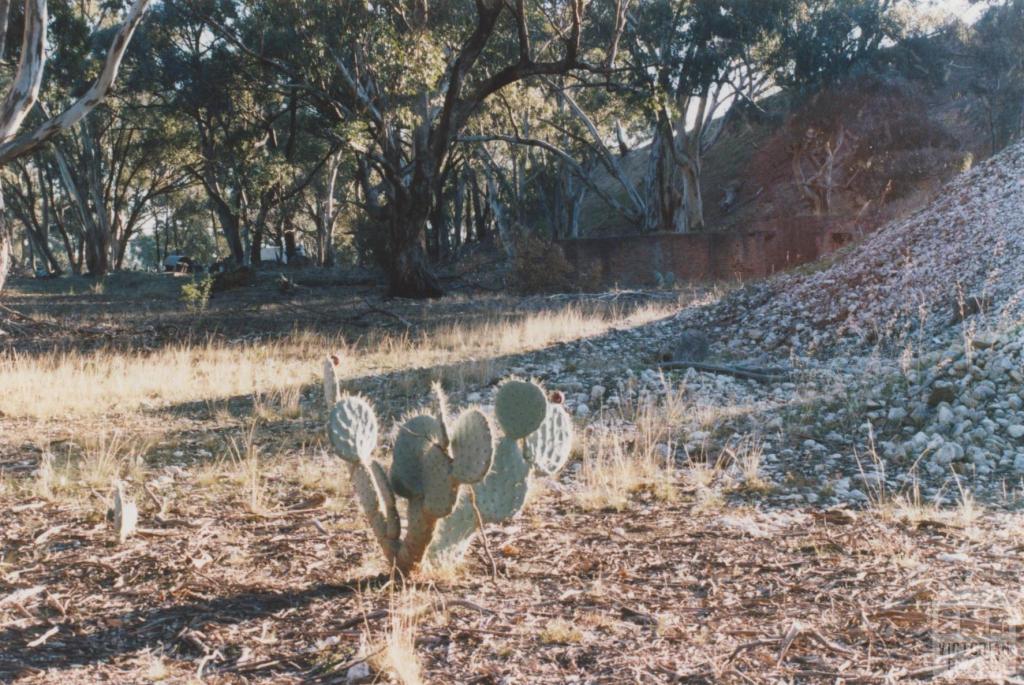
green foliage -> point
(828, 39)
(997, 49)
(429, 471)
(195, 294)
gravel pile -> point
(912, 347)
(962, 409)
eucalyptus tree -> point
(23, 93)
(997, 52)
(29, 201)
(823, 40)
(247, 133)
(197, 81)
(691, 63)
(407, 78)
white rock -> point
(357, 673)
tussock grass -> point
(561, 631)
(394, 650)
(90, 467)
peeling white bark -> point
(23, 145)
(24, 92)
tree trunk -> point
(290, 245)
(693, 201)
(457, 211)
(38, 238)
(5, 244)
(672, 186)
(229, 226)
(440, 229)
(409, 273)
(665, 196)
(97, 261)
(326, 214)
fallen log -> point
(753, 374)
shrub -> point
(195, 294)
(541, 267)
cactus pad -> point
(520, 407)
(415, 438)
(352, 428)
(502, 493)
(472, 446)
(439, 488)
(376, 499)
(332, 391)
(455, 531)
(126, 513)
(547, 448)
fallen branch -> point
(760, 375)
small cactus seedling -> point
(124, 512)
(433, 460)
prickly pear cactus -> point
(125, 513)
(433, 460)
(332, 390)
(502, 493)
(472, 446)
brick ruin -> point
(758, 251)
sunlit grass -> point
(108, 381)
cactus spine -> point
(432, 460)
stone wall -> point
(758, 251)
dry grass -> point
(394, 650)
(90, 467)
(110, 381)
(747, 458)
(618, 463)
(561, 631)
(244, 456)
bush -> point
(196, 294)
(541, 267)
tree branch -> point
(26, 144)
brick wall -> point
(760, 250)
